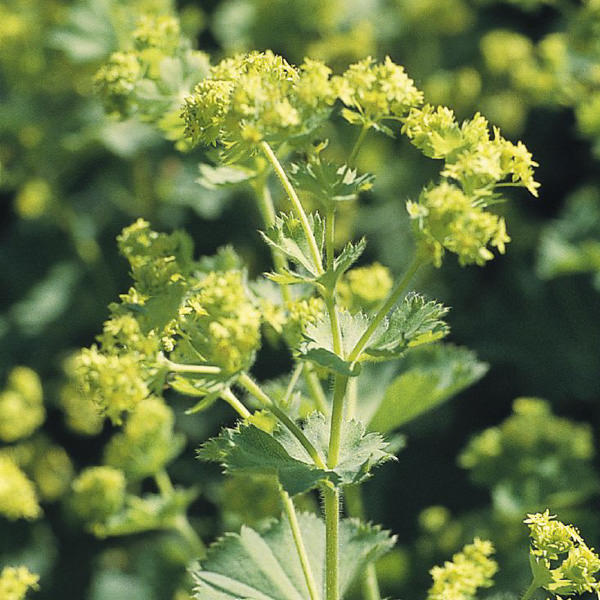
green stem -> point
(253, 388)
(296, 204)
(530, 590)
(357, 145)
(332, 529)
(292, 383)
(337, 419)
(290, 511)
(315, 389)
(267, 212)
(183, 527)
(356, 508)
(385, 309)
(180, 368)
(330, 238)
(235, 403)
(163, 483)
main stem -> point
(290, 511)
(332, 534)
(296, 205)
(385, 309)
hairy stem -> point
(337, 418)
(180, 368)
(332, 534)
(296, 205)
(253, 388)
(359, 140)
(330, 238)
(290, 511)
(385, 308)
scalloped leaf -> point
(253, 566)
(287, 235)
(415, 322)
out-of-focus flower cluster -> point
(15, 582)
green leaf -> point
(222, 176)
(413, 323)
(318, 346)
(288, 236)
(347, 257)
(247, 449)
(359, 451)
(266, 566)
(328, 182)
(432, 375)
(250, 450)
(149, 513)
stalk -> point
(290, 511)
(296, 205)
(357, 145)
(181, 368)
(315, 389)
(253, 388)
(332, 534)
(385, 309)
(235, 403)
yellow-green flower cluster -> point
(18, 499)
(452, 216)
(447, 219)
(98, 492)
(21, 405)
(518, 451)
(300, 314)
(363, 288)
(218, 323)
(117, 79)
(568, 564)
(15, 582)
(469, 570)
(157, 259)
(374, 92)
(147, 442)
(258, 96)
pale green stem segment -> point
(293, 381)
(254, 389)
(315, 389)
(332, 534)
(290, 511)
(195, 369)
(330, 238)
(235, 403)
(267, 212)
(530, 590)
(296, 204)
(385, 309)
(356, 508)
(361, 138)
(180, 522)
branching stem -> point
(296, 205)
(181, 368)
(235, 403)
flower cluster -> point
(363, 288)
(453, 217)
(21, 405)
(374, 92)
(98, 492)
(18, 499)
(147, 442)
(258, 97)
(16, 581)
(469, 570)
(218, 323)
(562, 561)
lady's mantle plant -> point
(195, 325)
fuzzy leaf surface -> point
(287, 235)
(253, 566)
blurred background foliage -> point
(72, 176)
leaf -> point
(266, 566)
(432, 375)
(328, 182)
(250, 450)
(222, 176)
(413, 323)
(319, 348)
(359, 451)
(347, 257)
(288, 236)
